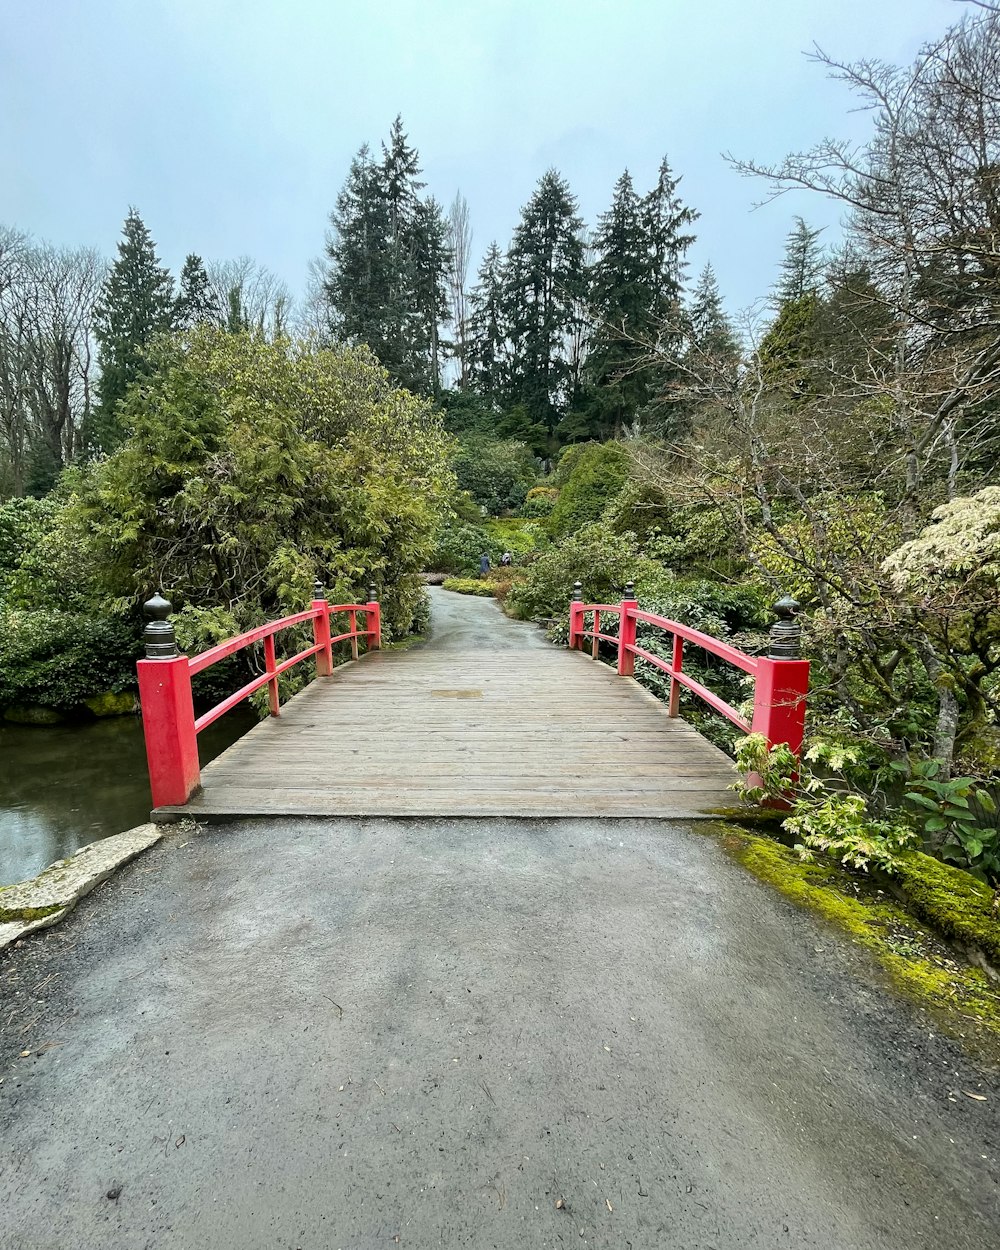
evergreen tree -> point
(545, 280)
(431, 257)
(711, 330)
(358, 278)
(666, 220)
(802, 266)
(136, 304)
(636, 294)
(388, 260)
(622, 295)
(488, 352)
(196, 303)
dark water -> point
(68, 785)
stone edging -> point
(45, 899)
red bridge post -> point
(321, 630)
(779, 701)
(373, 621)
(167, 711)
(626, 632)
(576, 616)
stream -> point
(64, 786)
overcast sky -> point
(230, 124)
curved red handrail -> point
(169, 723)
(779, 685)
(319, 613)
(632, 615)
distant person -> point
(484, 564)
(506, 559)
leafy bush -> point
(496, 474)
(826, 818)
(517, 535)
(23, 522)
(459, 546)
(599, 472)
(602, 561)
(470, 586)
(58, 659)
(955, 815)
(251, 468)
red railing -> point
(780, 683)
(169, 724)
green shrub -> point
(498, 475)
(469, 586)
(459, 547)
(61, 659)
(23, 522)
(602, 561)
(598, 474)
(518, 535)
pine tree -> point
(711, 330)
(488, 352)
(195, 304)
(545, 280)
(136, 304)
(802, 266)
(636, 294)
(388, 259)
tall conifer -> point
(136, 304)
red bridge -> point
(486, 718)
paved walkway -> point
(367, 1034)
(486, 719)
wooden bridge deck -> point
(518, 728)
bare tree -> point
(47, 298)
(250, 296)
(459, 241)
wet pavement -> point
(365, 1034)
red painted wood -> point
(780, 686)
(779, 701)
(675, 686)
(575, 625)
(352, 617)
(168, 726)
(373, 623)
(214, 654)
(321, 636)
(270, 664)
(626, 638)
(714, 645)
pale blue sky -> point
(230, 123)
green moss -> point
(752, 817)
(952, 902)
(962, 997)
(25, 915)
(111, 704)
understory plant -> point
(956, 815)
(825, 815)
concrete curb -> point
(56, 890)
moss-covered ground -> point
(963, 999)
